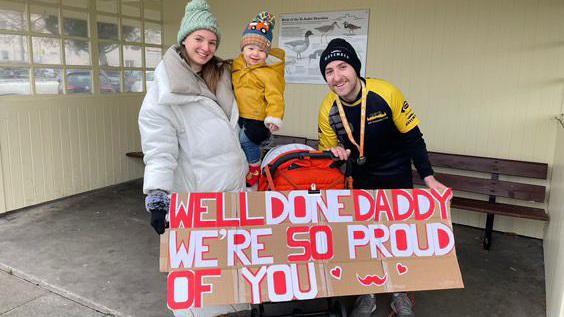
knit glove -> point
(157, 203)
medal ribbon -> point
(362, 121)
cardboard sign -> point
(226, 248)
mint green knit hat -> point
(197, 16)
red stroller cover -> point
(299, 167)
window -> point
(48, 81)
(44, 20)
(12, 16)
(79, 81)
(46, 50)
(79, 46)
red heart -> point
(336, 272)
(402, 269)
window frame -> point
(62, 8)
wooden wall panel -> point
(52, 147)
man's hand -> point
(432, 183)
(157, 203)
(341, 153)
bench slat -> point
(520, 191)
(489, 165)
(134, 154)
(313, 143)
(499, 209)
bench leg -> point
(488, 231)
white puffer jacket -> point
(189, 136)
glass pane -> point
(75, 23)
(106, 6)
(152, 9)
(131, 30)
(13, 49)
(44, 20)
(79, 81)
(14, 81)
(152, 56)
(131, 8)
(107, 28)
(76, 3)
(46, 50)
(12, 16)
(48, 81)
(133, 81)
(109, 54)
(149, 78)
(77, 52)
(131, 56)
(152, 33)
(109, 81)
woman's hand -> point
(341, 153)
(272, 127)
(157, 203)
(432, 183)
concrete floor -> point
(95, 254)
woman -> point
(188, 125)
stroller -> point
(301, 167)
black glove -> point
(157, 203)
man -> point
(370, 121)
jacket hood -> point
(176, 80)
(181, 77)
(275, 60)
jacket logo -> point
(377, 117)
(404, 107)
(410, 119)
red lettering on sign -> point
(189, 286)
(180, 214)
(443, 200)
(420, 195)
(382, 205)
(403, 204)
(363, 205)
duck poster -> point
(303, 36)
(253, 247)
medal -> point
(361, 160)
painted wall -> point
(554, 238)
(55, 146)
(52, 147)
(484, 77)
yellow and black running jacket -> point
(392, 137)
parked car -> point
(79, 82)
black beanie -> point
(339, 50)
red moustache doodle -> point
(369, 280)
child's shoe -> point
(253, 174)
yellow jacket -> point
(259, 89)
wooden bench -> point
(491, 187)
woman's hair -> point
(212, 70)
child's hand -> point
(273, 128)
